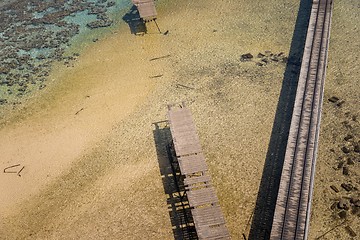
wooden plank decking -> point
(292, 212)
(208, 218)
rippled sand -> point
(87, 144)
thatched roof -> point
(146, 9)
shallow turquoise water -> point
(34, 35)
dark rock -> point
(350, 231)
(260, 55)
(260, 64)
(343, 204)
(345, 149)
(41, 57)
(267, 53)
(348, 137)
(350, 161)
(265, 60)
(347, 186)
(333, 187)
(110, 4)
(339, 104)
(333, 99)
(357, 148)
(3, 101)
(340, 164)
(22, 89)
(274, 58)
(246, 57)
(346, 170)
(99, 23)
(342, 214)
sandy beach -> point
(86, 142)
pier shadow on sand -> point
(135, 22)
(267, 195)
(178, 207)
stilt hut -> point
(146, 9)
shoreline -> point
(105, 179)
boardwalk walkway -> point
(292, 212)
(208, 219)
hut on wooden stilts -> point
(147, 10)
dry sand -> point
(95, 174)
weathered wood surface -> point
(208, 215)
(202, 196)
(197, 180)
(146, 8)
(192, 164)
(292, 212)
(208, 219)
(213, 232)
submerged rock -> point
(3, 101)
(246, 57)
(99, 24)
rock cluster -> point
(263, 59)
(346, 190)
(34, 34)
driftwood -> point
(157, 76)
(157, 58)
(11, 167)
(332, 229)
(20, 171)
(184, 86)
(79, 111)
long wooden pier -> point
(206, 213)
(292, 212)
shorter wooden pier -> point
(208, 218)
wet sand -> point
(91, 169)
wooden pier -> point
(206, 213)
(292, 212)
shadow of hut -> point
(136, 23)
